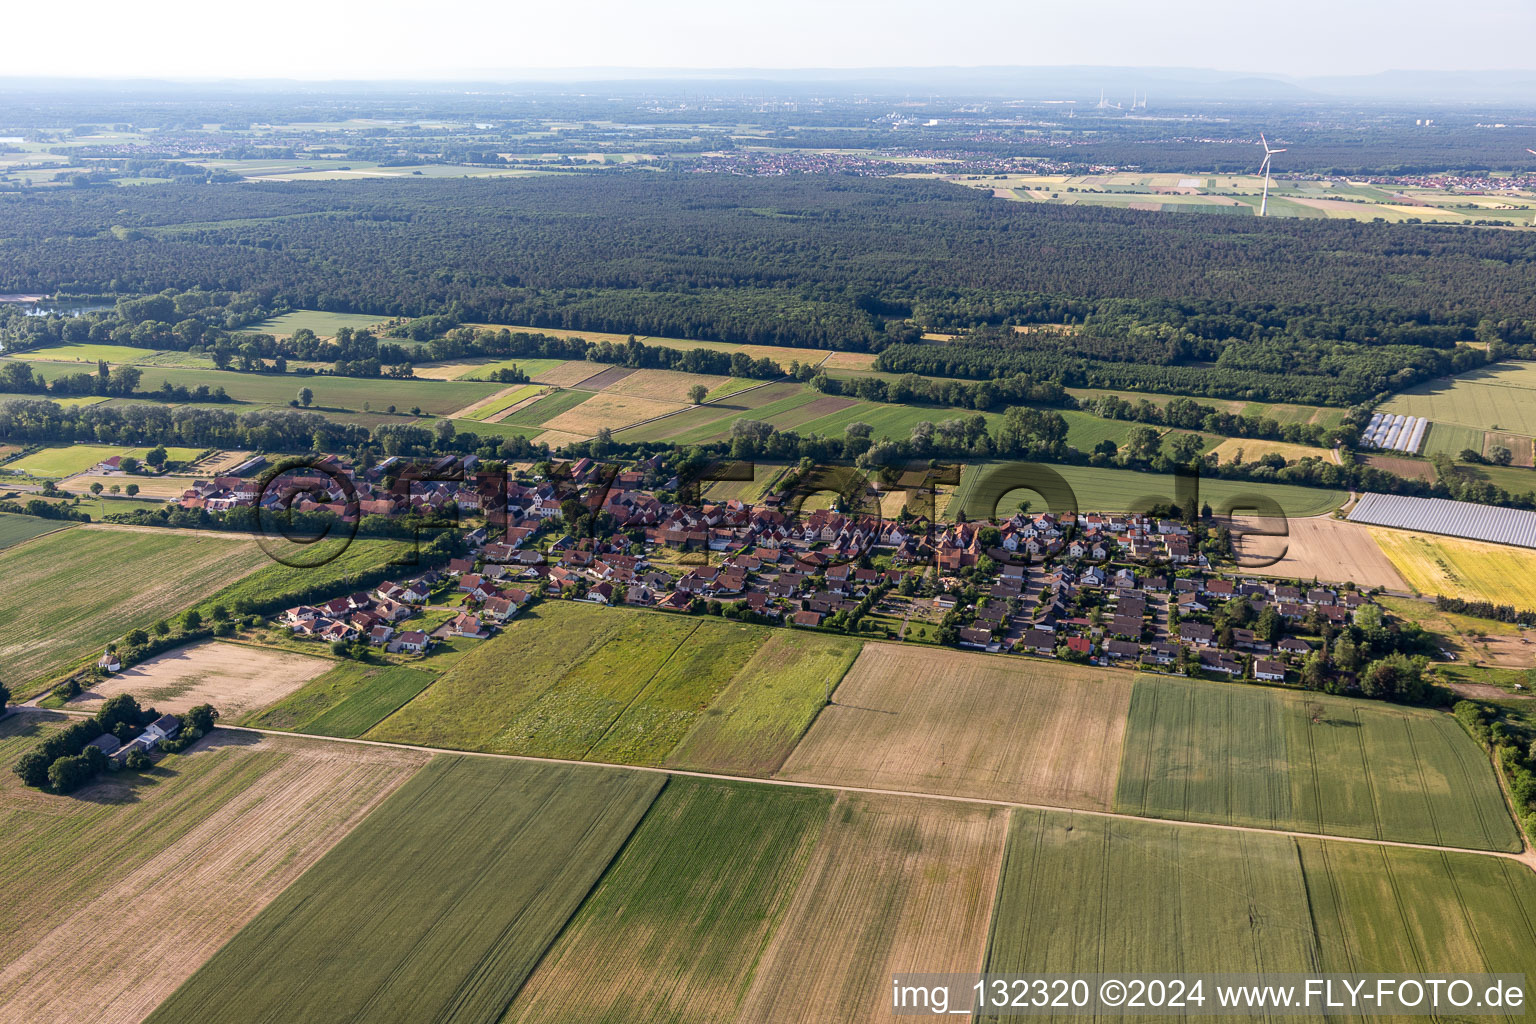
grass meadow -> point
(1308, 763)
(629, 687)
(68, 460)
(767, 706)
(437, 907)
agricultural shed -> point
(1451, 518)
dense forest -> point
(1298, 310)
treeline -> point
(1511, 742)
(65, 760)
(811, 261)
(1318, 372)
(20, 378)
(1188, 414)
(958, 394)
(36, 421)
(1485, 610)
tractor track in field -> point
(1526, 856)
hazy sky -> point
(464, 38)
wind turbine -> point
(1264, 170)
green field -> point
(347, 701)
(505, 401)
(323, 568)
(1381, 909)
(67, 460)
(436, 908)
(1308, 763)
(69, 593)
(1082, 895)
(1122, 490)
(1497, 397)
(544, 409)
(532, 367)
(117, 355)
(693, 899)
(1451, 439)
(325, 325)
(331, 394)
(1144, 897)
(761, 715)
(590, 683)
(15, 529)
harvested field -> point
(461, 370)
(569, 373)
(716, 417)
(1317, 547)
(1307, 762)
(1521, 447)
(698, 891)
(208, 837)
(996, 727)
(1082, 894)
(16, 529)
(1454, 567)
(846, 361)
(1413, 469)
(511, 849)
(558, 438)
(665, 385)
(149, 486)
(608, 410)
(1252, 450)
(234, 678)
(755, 722)
(606, 378)
(895, 885)
(68, 593)
(325, 325)
(220, 463)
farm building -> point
(1451, 518)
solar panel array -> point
(1452, 518)
(1396, 432)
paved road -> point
(1526, 857)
